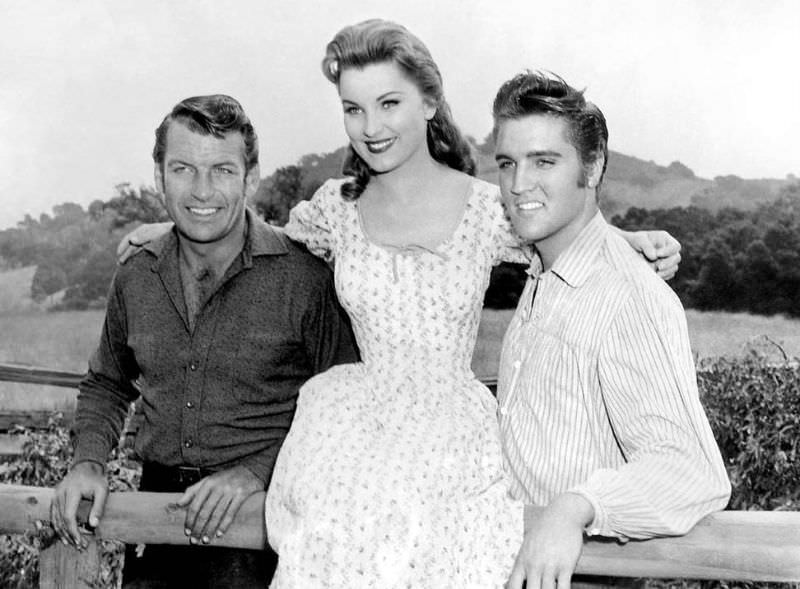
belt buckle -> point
(189, 475)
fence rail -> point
(735, 545)
(36, 375)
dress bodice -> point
(413, 308)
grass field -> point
(65, 340)
(15, 290)
(712, 334)
(61, 341)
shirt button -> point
(193, 366)
(189, 404)
(188, 444)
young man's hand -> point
(135, 239)
(85, 480)
(552, 544)
(213, 502)
(660, 249)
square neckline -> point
(418, 247)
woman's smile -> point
(381, 146)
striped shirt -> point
(598, 394)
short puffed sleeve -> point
(507, 245)
(315, 223)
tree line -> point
(74, 250)
(732, 259)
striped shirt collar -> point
(576, 263)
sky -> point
(711, 83)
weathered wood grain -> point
(745, 546)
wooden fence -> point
(744, 546)
(731, 545)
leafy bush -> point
(754, 409)
(45, 458)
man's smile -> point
(203, 211)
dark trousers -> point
(165, 566)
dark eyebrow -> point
(383, 96)
(388, 94)
(180, 162)
(539, 153)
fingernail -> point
(219, 533)
(192, 540)
(206, 540)
(187, 531)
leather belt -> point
(183, 476)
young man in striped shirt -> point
(598, 401)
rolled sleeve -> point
(107, 390)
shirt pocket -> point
(268, 366)
(554, 373)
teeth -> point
(529, 206)
(379, 145)
(203, 212)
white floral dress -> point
(392, 473)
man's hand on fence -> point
(85, 480)
(213, 502)
(552, 544)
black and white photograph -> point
(421, 295)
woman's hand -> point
(659, 248)
(143, 234)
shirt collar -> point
(576, 263)
(261, 240)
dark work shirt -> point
(223, 394)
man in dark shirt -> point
(216, 324)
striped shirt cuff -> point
(599, 526)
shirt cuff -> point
(91, 447)
(600, 525)
(261, 465)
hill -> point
(629, 182)
(632, 182)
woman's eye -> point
(387, 104)
(351, 110)
(545, 163)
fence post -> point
(64, 567)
